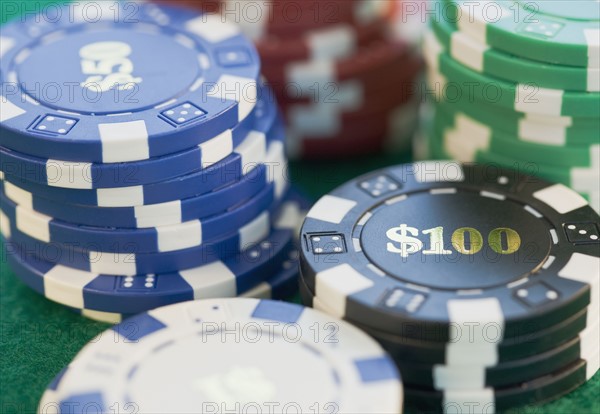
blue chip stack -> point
(142, 160)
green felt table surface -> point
(39, 337)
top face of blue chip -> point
(122, 81)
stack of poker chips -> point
(482, 283)
(518, 86)
(156, 173)
(344, 82)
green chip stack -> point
(517, 84)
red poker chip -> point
(391, 89)
(333, 41)
(372, 65)
(358, 136)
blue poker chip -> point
(189, 234)
(110, 91)
(163, 214)
(133, 294)
(130, 263)
(282, 285)
(435, 249)
(203, 352)
(81, 175)
(251, 152)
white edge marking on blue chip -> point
(184, 41)
(253, 150)
(179, 236)
(212, 28)
(120, 197)
(255, 231)
(154, 215)
(560, 198)
(9, 110)
(211, 280)
(5, 225)
(276, 164)
(217, 148)
(112, 263)
(241, 90)
(438, 171)
(585, 269)
(33, 224)
(290, 216)
(6, 44)
(65, 285)
(331, 209)
(18, 195)
(66, 174)
(124, 141)
(465, 400)
(336, 283)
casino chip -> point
(131, 204)
(556, 32)
(519, 90)
(249, 164)
(462, 48)
(520, 97)
(482, 283)
(80, 175)
(283, 285)
(334, 65)
(183, 348)
(149, 240)
(266, 246)
(211, 68)
(342, 76)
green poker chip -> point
(549, 130)
(477, 136)
(560, 32)
(582, 180)
(482, 58)
(462, 83)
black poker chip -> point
(441, 251)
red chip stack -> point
(345, 83)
